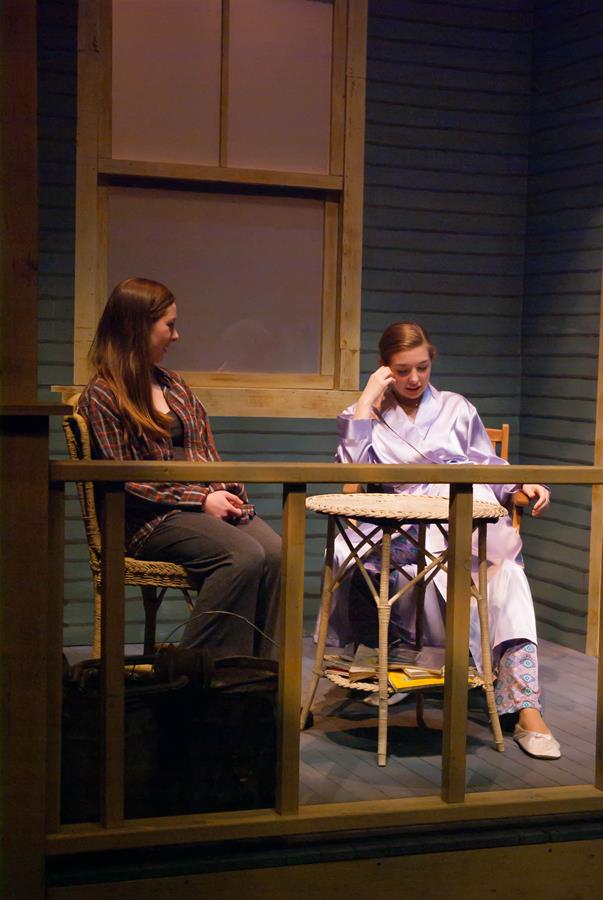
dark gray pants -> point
(237, 568)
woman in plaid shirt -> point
(136, 409)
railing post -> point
(112, 656)
(599, 732)
(457, 643)
(291, 633)
(56, 578)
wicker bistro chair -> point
(388, 513)
(154, 578)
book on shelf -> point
(425, 663)
(338, 664)
(400, 681)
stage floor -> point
(338, 754)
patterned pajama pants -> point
(516, 685)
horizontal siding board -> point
(433, 261)
(445, 200)
(463, 79)
(581, 134)
(557, 73)
(567, 116)
(426, 116)
(463, 308)
(557, 15)
(451, 138)
(568, 160)
(584, 238)
(567, 97)
(447, 98)
(403, 30)
(564, 345)
(554, 53)
(572, 430)
(476, 245)
(464, 57)
(566, 219)
(505, 16)
(467, 158)
(566, 537)
(561, 177)
(381, 172)
(420, 280)
(438, 221)
(564, 198)
(560, 282)
(558, 324)
(583, 388)
(449, 321)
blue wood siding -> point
(561, 302)
(483, 216)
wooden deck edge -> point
(378, 814)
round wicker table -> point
(390, 514)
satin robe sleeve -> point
(355, 440)
(479, 451)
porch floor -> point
(338, 754)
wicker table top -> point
(399, 507)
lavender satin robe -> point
(447, 430)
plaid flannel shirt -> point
(112, 438)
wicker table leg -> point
(384, 616)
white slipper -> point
(537, 744)
(372, 699)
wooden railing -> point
(288, 817)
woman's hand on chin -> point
(541, 494)
(223, 505)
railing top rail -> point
(319, 473)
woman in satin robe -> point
(401, 417)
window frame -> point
(322, 394)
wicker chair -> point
(154, 578)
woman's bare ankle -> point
(531, 720)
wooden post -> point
(595, 567)
(291, 633)
(112, 655)
(56, 578)
(599, 733)
(353, 197)
(23, 473)
(457, 643)
(23, 629)
(19, 219)
(91, 56)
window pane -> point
(246, 273)
(279, 75)
(166, 80)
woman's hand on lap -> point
(540, 493)
(223, 505)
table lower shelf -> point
(396, 683)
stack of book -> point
(407, 668)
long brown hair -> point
(120, 351)
(401, 336)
